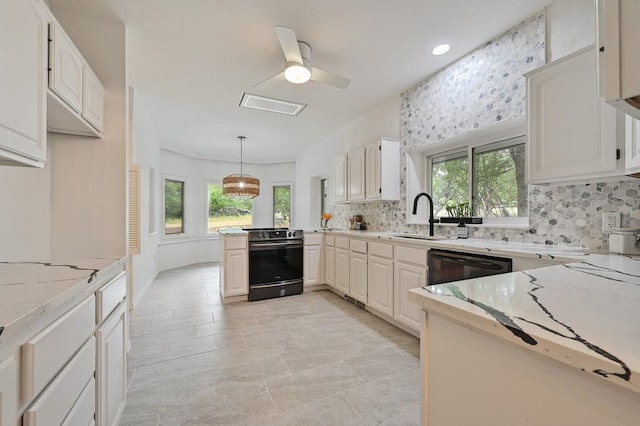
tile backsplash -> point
(477, 91)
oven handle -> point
(277, 284)
(268, 246)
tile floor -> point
(312, 359)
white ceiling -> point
(191, 60)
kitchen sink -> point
(420, 237)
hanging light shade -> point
(241, 186)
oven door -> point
(275, 261)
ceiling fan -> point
(298, 67)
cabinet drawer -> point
(411, 255)
(381, 250)
(58, 399)
(329, 240)
(358, 246)
(85, 407)
(45, 354)
(314, 239)
(109, 296)
(342, 242)
(235, 243)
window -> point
(173, 207)
(281, 206)
(225, 212)
(491, 176)
(324, 190)
(152, 201)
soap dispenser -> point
(462, 230)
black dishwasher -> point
(447, 266)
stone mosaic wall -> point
(483, 88)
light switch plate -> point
(610, 220)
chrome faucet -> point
(415, 210)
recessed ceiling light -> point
(441, 49)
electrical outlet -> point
(610, 220)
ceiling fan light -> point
(296, 73)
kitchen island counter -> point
(579, 320)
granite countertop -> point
(31, 289)
(585, 314)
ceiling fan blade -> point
(277, 77)
(289, 43)
(327, 77)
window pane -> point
(281, 206)
(225, 212)
(449, 181)
(499, 188)
(173, 207)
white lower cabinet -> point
(342, 270)
(358, 276)
(111, 369)
(312, 261)
(406, 277)
(329, 265)
(60, 396)
(380, 284)
(8, 391)
(234, 268)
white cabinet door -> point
(340, 178)
(329, 265)
(358, 276)
(383, 170)
(356, 174)
(632, 146)
(373, 188)
(407, 276)
(572, 133)
(380, 284)
(312, 265)
(236, 275)
(66, 77)
(93, 100)
(23, 83)
(111, 368)
(8, 392)
(342, 270)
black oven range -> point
(275, 262)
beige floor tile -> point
(310, 359)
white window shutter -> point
(134, 209)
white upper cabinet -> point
(632, 146)
(23, 83)
(356, 174)
(66, 63)
(383, 170)
(75, 104)
(572, 133)
(368, 173)
(618, 54)
(340, 178)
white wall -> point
(24, 215)
(144, 267)
(88, 175)
(570, 26)
(317, 160)
(195, 245)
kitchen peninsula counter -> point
(29, 290)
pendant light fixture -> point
(241, 186)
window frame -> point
(419, 166)
(273, 201)
(216, 234)
(185, 203)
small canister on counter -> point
(625, 241)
